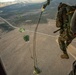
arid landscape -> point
(16, 53)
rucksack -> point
(64, 15)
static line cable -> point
(37, 70)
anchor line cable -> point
(35, 35)
(34, 42)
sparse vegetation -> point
(18, 14)
(5, 27)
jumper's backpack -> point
(64, 15)
(73, 72)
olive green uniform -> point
(62, 22)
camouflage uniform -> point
(66, 36)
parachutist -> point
(66, 31)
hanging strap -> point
(34, 42)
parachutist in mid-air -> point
(64, 15)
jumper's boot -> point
(65, 56)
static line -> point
(8, 23)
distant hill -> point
(28, 13)
(3, 4)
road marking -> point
(41, 33)
(8, 23)
(26, 30)
(70, 47)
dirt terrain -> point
(16, 54)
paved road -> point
(8, 22)
(16, 53)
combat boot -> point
(64, 56)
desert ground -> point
(16, 53)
